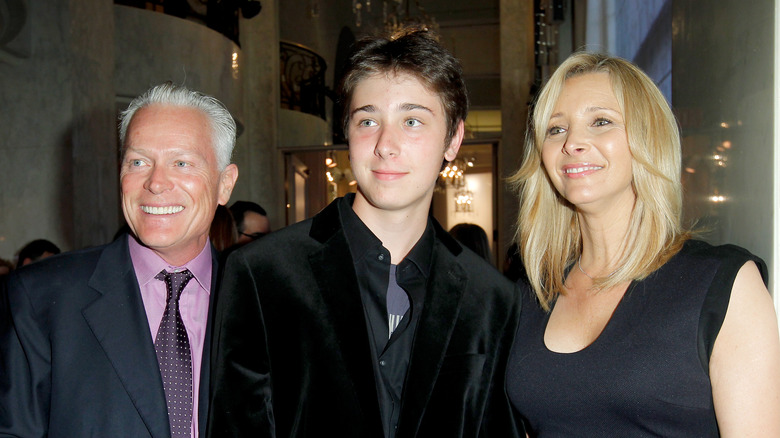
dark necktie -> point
(173, 354)
(397, 302)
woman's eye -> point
(413, 122)
(601, 122)
(554, 130)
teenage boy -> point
(369, 320)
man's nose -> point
(158, 180)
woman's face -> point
(585, 150)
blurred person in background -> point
(251, 221)
(473, 237)
(36, 250)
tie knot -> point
(175, 282)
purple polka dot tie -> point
(173, 354)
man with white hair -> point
(114, 341)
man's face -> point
(397, 129)
(255, 226)
(170, 181)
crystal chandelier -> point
(464, 201)
(452, 174)
(396, 14)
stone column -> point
(261, 164)
(95, 189)
(517, 75)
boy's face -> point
(397, 130)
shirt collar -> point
(359, 237)
(361, 240)
(421, 254)
(147, 264)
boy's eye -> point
(412, 122)
(367, 123)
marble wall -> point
(176, 50)
(37, 101)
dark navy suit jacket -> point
(76, 356)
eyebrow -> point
(175, 153)
(402, 107)
(590, 109)
(414, 106)
(364, 108)
(593, 109)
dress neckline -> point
(613, 320)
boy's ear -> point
(452, 149)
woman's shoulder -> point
(730, 257)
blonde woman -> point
(635, 329)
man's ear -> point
(227, 180)
(452, 149)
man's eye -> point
(413, 122)
(136, 163)
(181, 164)
(367, 123)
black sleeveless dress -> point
(647, 373)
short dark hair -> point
(473, 237)
(415, 52)
(35, 249)
(223, 232)
(240, 207)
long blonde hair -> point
(548, 232)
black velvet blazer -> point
(292, 356)
(76, 358)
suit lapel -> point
(118, 321)
(205, 363)
(335, 275)
(440, 312)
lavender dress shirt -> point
(193, 304)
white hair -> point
(222, 124)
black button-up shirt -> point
(372, 266)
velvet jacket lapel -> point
(118, 321)
(440, 312)
(335, 274)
